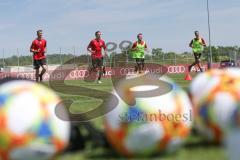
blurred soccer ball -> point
(155, 123)
(216, 98)
(29, 128)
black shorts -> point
(197, 56)
(98, 62)
(38, 63)
(140, 60)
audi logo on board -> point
(125, 71)
(176, 69)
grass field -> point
(194, 149)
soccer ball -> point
(153, 115)
(29, 129)
(216, 99)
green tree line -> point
(156, 55)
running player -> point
(39, 48)
(139, 47)
(95, 47)
(197, 45)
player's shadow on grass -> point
(111, 154)
(105, 154)
(201, 142)
(198, 142)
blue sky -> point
(168, 24)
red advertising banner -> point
(81, 73)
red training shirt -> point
(96, 46)
(39, 45)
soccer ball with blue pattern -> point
(216, 99)
(158, 121)
(29, 129)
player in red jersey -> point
(95, 47)
(39, 48)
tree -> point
(157, 52)
(206, 54)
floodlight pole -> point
(18, 59)
(74, 57)
(3, 61)
(209, 38)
